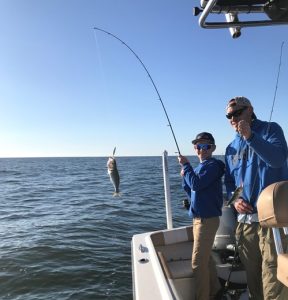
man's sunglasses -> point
(203, 146)
(236, 113)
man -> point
(204, 188)
(256, 158)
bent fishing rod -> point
(166, 114)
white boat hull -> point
(161, 263)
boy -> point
(204, 188)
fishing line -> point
(272, 108)
(276, 87)
(98, 50)
(166, 114)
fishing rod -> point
(166, 114)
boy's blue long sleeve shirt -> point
(204, 188)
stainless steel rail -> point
(211, 7)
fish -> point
(114, 174)
(236, 194)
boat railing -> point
(276, 13)
(167, 190)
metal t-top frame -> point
(232, 9)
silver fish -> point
(236, 194)
(114, 174)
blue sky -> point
(67, 90)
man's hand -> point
(243, 207)
(243, 128)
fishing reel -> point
(186, 204)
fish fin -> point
(117, 194)
(114, 151)
(236, 194)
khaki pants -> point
(258, 254)
(203, 265)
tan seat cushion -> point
(272, 205)
(282, 269)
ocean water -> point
(62, 233)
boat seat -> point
(176, 258)
(282, 273)
(178, 235)
(176, 269)
(272, 205)
(178, 251)
(180, 277)
(174, 251)
(272, 208)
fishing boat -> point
(161, 260)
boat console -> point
(257, 13)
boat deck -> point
(162, 264)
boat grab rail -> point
(212, 7)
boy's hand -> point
(182, 160)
